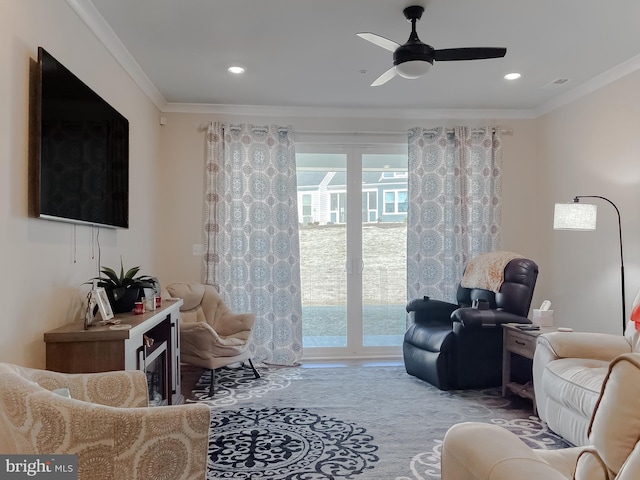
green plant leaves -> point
(111, 280)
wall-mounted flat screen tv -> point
(80, 158)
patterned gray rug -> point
(347, 422)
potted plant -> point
(124, 289)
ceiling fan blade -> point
(379, 41)
(471, 53)
(385, 77)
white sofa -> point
(568, 371)
(481, 451)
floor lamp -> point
(582, 216)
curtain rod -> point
(503, 131)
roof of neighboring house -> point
(311, 179)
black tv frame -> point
(94, 190)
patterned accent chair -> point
(457, 346)
(105, 420)
(211, 335)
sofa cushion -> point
(575, 383)
(631, 468)
(615, 425)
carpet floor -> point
(345, 422)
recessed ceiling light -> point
(512, 76)
(236, 70)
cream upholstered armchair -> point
(211, 335)
(105, 420)
(568, 371)
(474, 451)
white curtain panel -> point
(252, 250)
(454, 189)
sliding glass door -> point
(384, 239)
(352, 207)
(322, 212)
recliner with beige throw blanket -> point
(211, 335)
(105, 421)
(568, 371)
(480, 451)
(459, 346)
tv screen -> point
(82, 151)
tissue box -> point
(542, 318)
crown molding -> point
(596, 83)
(87, 11)
(341, 112)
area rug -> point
(345, 422)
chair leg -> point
(255, 372)
(212, 383)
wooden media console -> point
(151, 344)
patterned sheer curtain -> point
(454, 189)
(252, 250)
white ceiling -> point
(305, 53)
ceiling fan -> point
(415, 58)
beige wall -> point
(182, 166)
(588, 147)
(42, 267)
(592, 147)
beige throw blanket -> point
(486, 271)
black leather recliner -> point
(457, 346)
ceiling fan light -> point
(413, 69)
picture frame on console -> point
(103, 303)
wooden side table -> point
(523, 343)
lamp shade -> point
(575, 216)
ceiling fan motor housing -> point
(413, 51)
